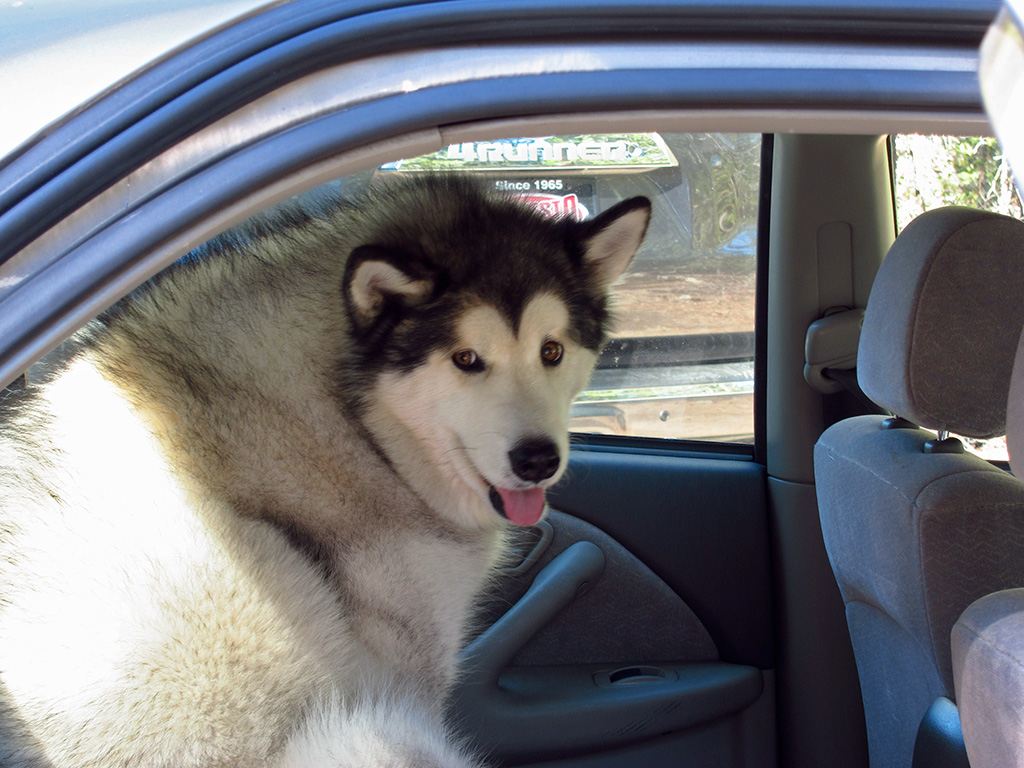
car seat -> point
(915, 528)
(988, 642)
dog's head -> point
(480, 325)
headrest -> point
(943, 321)
(1015, 414)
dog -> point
(246, 519)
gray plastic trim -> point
(542, 712)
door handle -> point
(560, 582)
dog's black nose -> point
(534, 459)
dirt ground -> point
(729, 418)
(649, 304)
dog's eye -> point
(551, 353)
(467, 360)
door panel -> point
(626, 613)
(641, 632)
(699, 522)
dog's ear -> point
(611, 240)
(379, 279)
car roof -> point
(59, 54)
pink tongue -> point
(523, 507)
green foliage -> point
(932, 171)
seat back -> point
(914, 528)
(988, 642)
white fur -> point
(103, 622)
(150, 624)
(388, 731)
(373, 280)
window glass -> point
(680, 364)
(934, 171)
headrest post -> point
(895, 422)
(943, 444)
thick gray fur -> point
(217, 546)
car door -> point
(679, 610)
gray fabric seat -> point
(988, 667)
(915, 534)
(988, 643)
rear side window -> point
(680, 364)
(935, 171)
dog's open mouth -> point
(518, 507)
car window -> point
(680, 364)
(934, 171)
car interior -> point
(790, 535)
(678, 606)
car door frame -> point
(76, 237)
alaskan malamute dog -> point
(245, 523)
